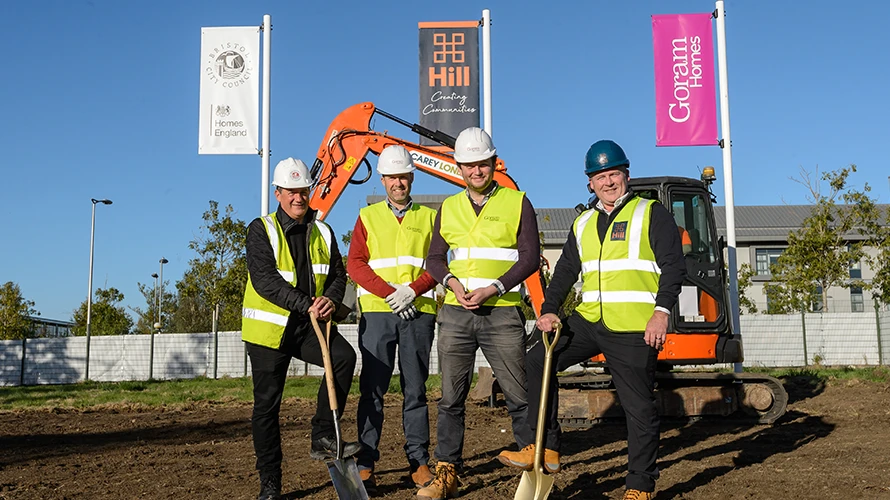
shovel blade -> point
(347, 482)
(534, 485)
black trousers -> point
(269, 368)
(632, 365)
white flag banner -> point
(230, 91)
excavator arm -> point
(344, 150)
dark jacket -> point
(271, 286)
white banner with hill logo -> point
(230, 90)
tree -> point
(216, 275)
(874, 226)
(108, 317)
(15, 313)
(145, 319)
(819, 254)
(746, 272)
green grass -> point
(161, 393)
(225, 390)
(830, 373)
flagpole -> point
(726, 144)
(267, 86)
(486, 68)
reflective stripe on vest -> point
(397, 251)
(619, 275)
(482, 247)
(263, 322)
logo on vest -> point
(619, 231)
(413, 229)
(492, 218)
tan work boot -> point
(369, 480)
(525, 459)
(422, 476)
(444, 485)
(637, 495)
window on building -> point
(765, 257)
(857, 302)
(816, 303)
(856, 270)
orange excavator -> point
(701, 326)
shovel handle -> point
(549, 347)
(323, 342)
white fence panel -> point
(842, 339)
(182, 355)
(772, 340)
(230, 359)
(55, 361)
(116, 358)
(11, 362)
(884, 323)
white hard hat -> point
(395, 160)
(472, 145)
(291, 174)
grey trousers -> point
(500, 333)
(379, 333)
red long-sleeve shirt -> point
(360, 272)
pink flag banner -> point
(685, 92)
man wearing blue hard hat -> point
(628, 252)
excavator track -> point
(588, 398)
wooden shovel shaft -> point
(326, 356)
(549, 346)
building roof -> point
(753, 223)
(768, 222)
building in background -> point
(44, 327)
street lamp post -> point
(157, 296)
(160, 292)
(151, 328)
(90, 284)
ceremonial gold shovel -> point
(536, 484)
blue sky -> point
(100, 100)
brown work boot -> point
(369, 480)
(525, 459)
(637, 495)
(444, 485)
(422, 476)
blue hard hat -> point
(604, 155)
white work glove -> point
(401, 298)
(409, 313)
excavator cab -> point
(703, 304)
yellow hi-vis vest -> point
(263, 322)
(482, 248)
(619, 275)
(397, 252)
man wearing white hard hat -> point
(491, 235)
(387, 261)
(294, 269)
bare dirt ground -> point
(834, 442)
